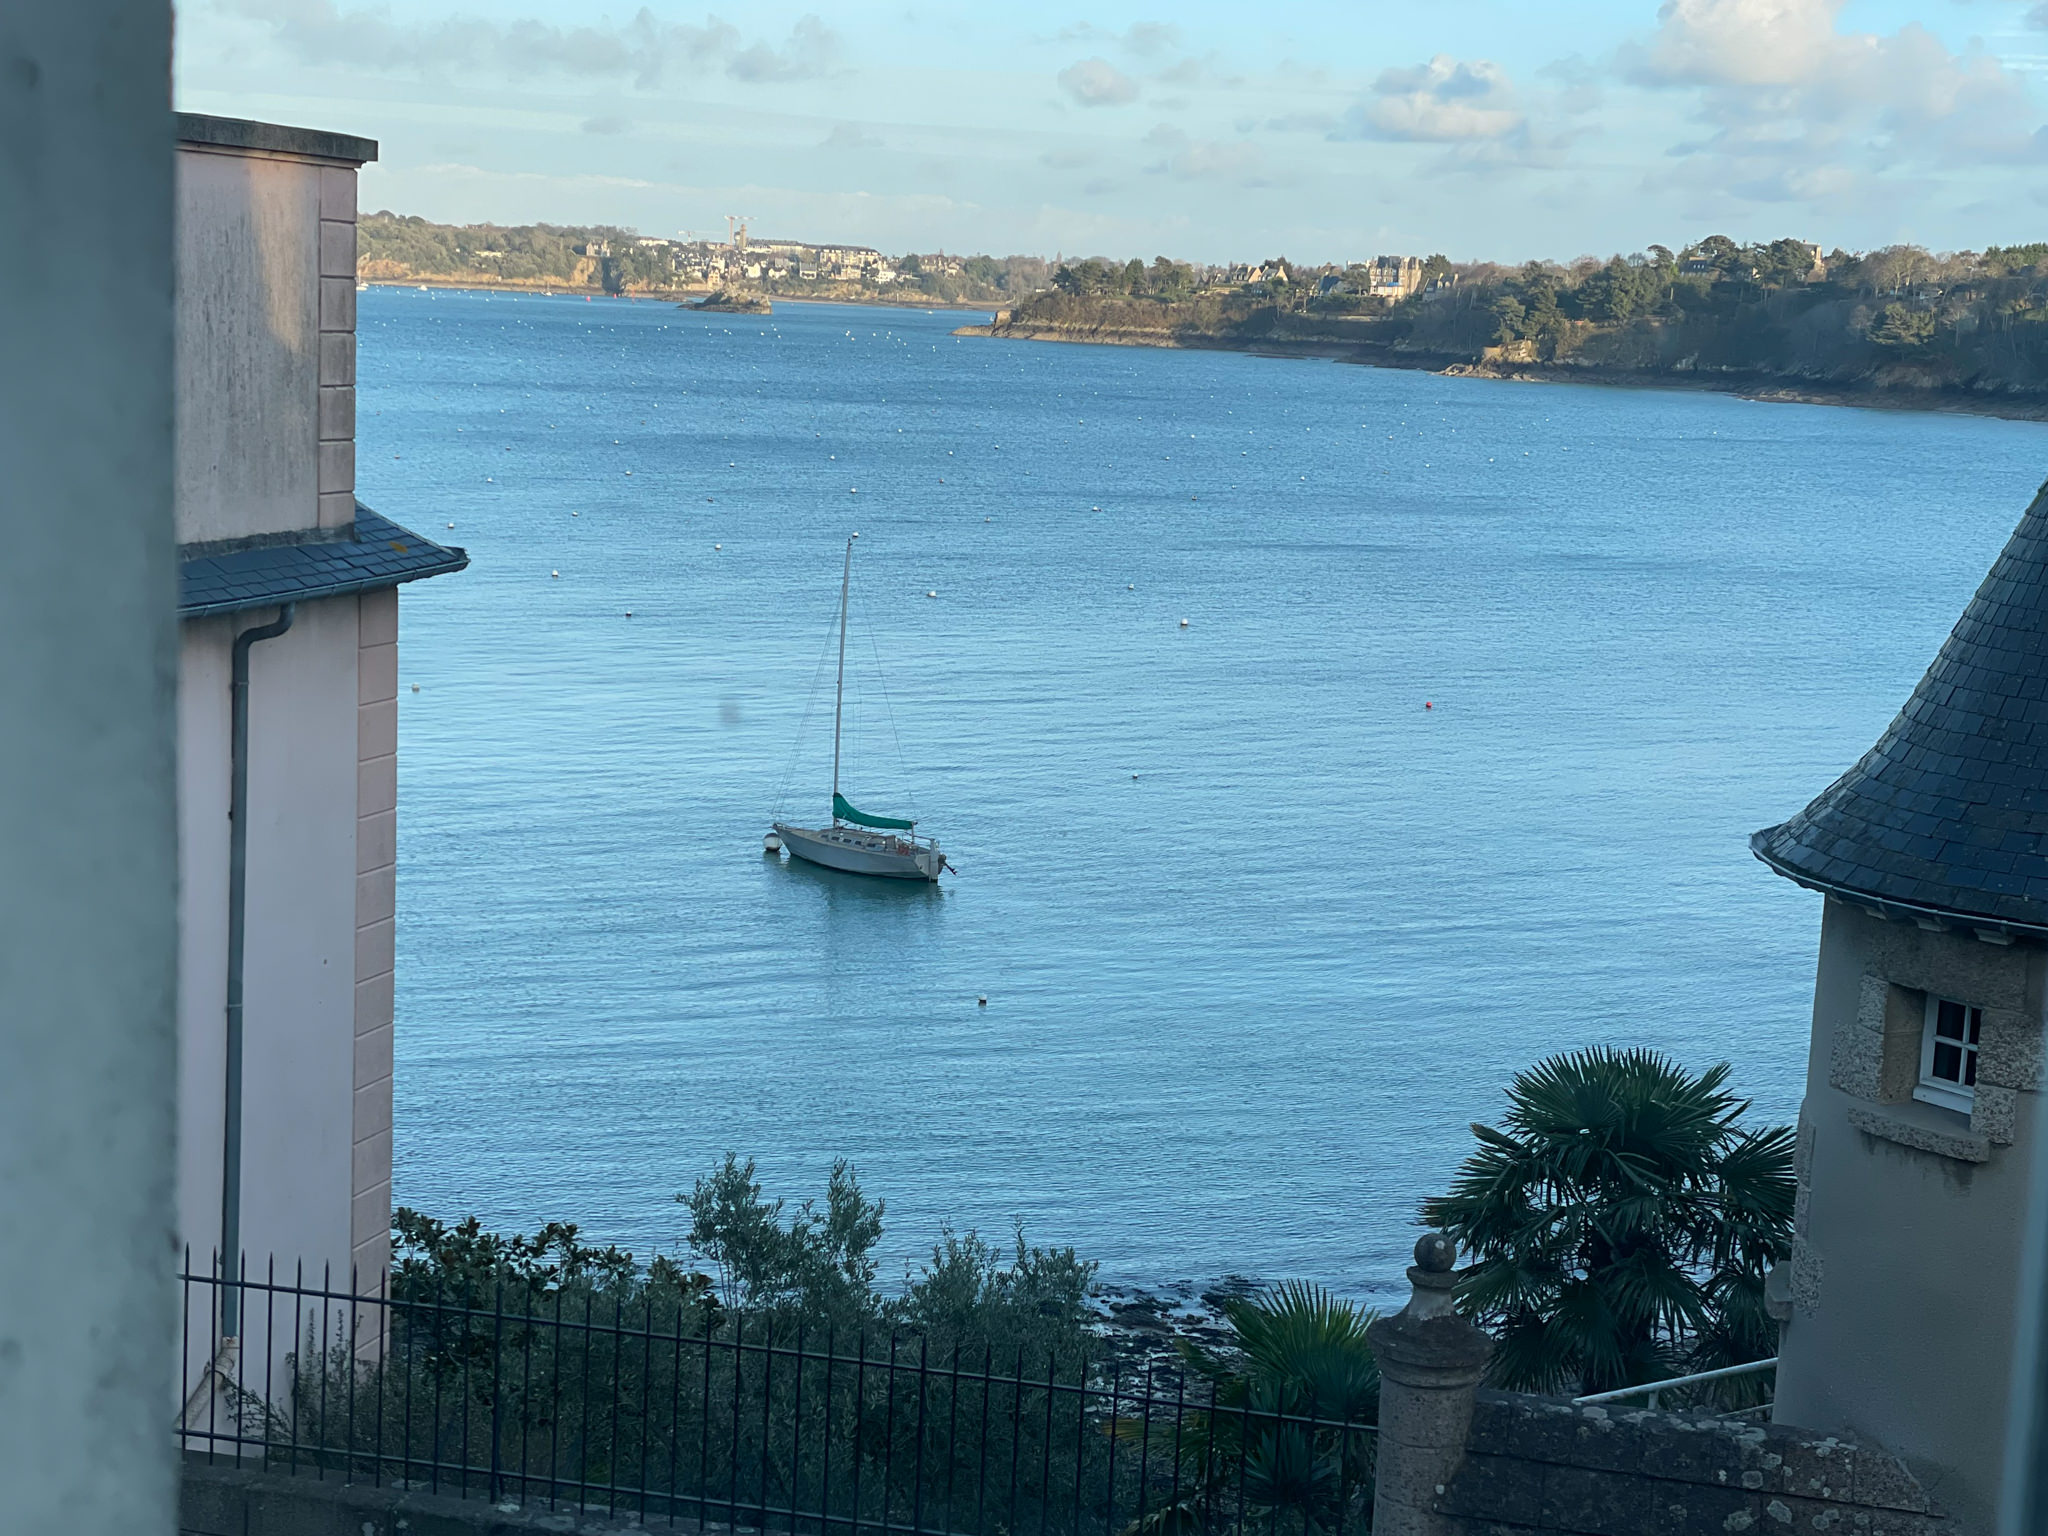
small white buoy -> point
(1134, 775)
(451, 525)
(981, 1001)
(572, 514)
(1095, 509)
(1130, 586)
(558, 576)
(718, 546)
(415, 687)
(931, 594)
(629, 613)
(771, 844)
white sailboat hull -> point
(860, 852)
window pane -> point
(1948, 1063)
(1970, 1070)
(1976, 1024)
(1948, 1020)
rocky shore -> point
(1137, 1329)
(1352, 343)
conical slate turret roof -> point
(1946, 818)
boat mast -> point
(839, 694)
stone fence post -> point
(1430, 1363)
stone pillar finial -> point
(1431, 1361)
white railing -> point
(1655, 1389)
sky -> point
(1484, 129)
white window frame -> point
(1948, 1094)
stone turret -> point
(1899, 1303)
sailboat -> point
(857, 842)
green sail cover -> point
(845, 812)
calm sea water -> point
(1260, 933)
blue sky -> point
(1483, 129)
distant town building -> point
(1393, 278)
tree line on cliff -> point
(1899, 317)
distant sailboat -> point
(857, 842)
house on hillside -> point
(287, 714)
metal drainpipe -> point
(238, 898)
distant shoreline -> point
(1762, 387)
(680, 299)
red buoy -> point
(1427, 705)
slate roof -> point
(1947, 816)
(379, 554)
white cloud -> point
(850, 136)
(812, 50)
(1143, 38)
(1799, 110)
(1191, 159)
(1098, 83)
(1445, 101)
(645, 49)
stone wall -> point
(220, 1499)
(1539, 1465)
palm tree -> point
(1288, 1429)
(1620, 1223)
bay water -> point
(1481, 688)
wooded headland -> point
(1899, 327)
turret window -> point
(1948, 1054)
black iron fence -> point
(745, 1421)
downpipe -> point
(238, 902)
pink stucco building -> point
(269, 529)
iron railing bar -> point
(1016, 1437)
(383, 1371)
(1747, 1368)
(889, 1434)
(739, 1366)
(952, 1432)
(555, 1411)
(348, 1466)
(767, 1421)
(796, 1429)
(917, 1466)
(675, 1416)
(704, 1445)
(646, 1392)
(326, 1434)
(860, 1411)
(1052, 1368)
(618, 1362)
(825, 1461)
(981, 1478)
(1109, 1480)
(527, 1331)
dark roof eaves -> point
(316, 568)
(271, 597)
(1890, 907)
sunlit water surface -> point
(1260, 933)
